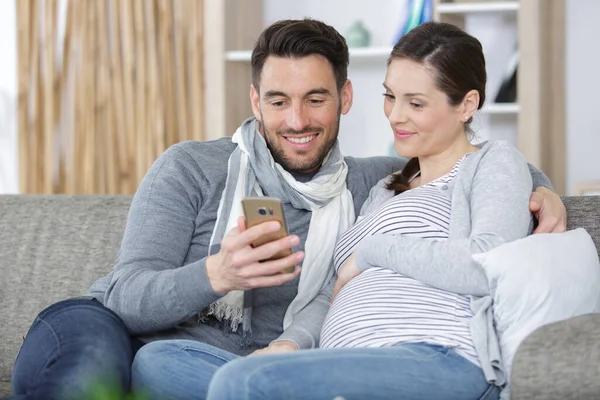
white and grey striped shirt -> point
(382, 308)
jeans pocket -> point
(492, 393)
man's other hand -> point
(549, 210)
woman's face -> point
(423, 121)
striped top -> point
(381, 307)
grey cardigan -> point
(490, 206)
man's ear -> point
(470, 104)
(255, 101)
(346, 97)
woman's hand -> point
(549, 210)
(282, 346)
(347, 271)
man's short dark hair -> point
(301, 38)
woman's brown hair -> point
(457, 61)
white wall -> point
(8, 94)
(583, 93)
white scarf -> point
(252, 170)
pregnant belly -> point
(382, 308)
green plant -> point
(109, 390)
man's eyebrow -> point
(274, 93)
(318, 91)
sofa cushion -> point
(538, 280)
(53, 248)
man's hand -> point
(549, 211)
(282, 346)
(236, 266)
(347, 271)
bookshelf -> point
(535, 122)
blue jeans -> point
(177, 369)
(71, 345)
(182, 369)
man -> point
(186, 268)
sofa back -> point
(584, 212)
(54, 247)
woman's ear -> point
(470, 104)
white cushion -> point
(540, 279)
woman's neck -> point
(437, 165)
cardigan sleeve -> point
(497, 212)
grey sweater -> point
(490, 206)
(159, 282)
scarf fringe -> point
(228, 313)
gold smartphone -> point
(263, 209)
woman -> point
(410, 315)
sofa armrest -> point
(559, 361)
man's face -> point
(299, 109)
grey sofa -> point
(54, 247)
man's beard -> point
(300, 163)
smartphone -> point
(263, 209)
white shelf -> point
(501, 108)
(480, 7)
(369, 52)
(238, 55)
(356, 53)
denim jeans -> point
(71, 345)
(182, 369)
(409, 371)
(177, 369)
